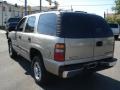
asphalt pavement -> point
(16, 75)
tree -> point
(110, 19)
(115, 18)
(116, 8)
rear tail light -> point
(59, 52)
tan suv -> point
(63, 43)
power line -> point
(89, 5)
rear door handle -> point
(99, 43)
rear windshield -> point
(80, 25)
(113, 25)
(14, 20)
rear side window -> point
(47, 24)
(80, 25)
(30, 24)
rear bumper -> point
(74, 69)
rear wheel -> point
(39, 72)
(12, 52)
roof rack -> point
(81, 11)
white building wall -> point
(8, 12)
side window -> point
(30, 25)
(21, 24)
(47, 24)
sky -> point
(92, 6)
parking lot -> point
(16, 75)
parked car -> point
(63, 43)
(116, 30)
(11, 24)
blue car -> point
(11, 24)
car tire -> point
(116, 37)
(39, 72)
(12, 52)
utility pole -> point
(40, 5)
(104, 14)
(71, 8)
(25, 7)
(2, 13)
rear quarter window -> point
(47, 24)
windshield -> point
(14, 20)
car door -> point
(20, 28)
(104, 40)
(27, 36)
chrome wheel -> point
(37, 71)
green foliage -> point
(113, 19)
(117, 7)
(110, 20)
(117, 19)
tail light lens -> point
(59, 52)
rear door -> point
(78, 34)
(104, 40)
(27, 36)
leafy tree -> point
(116, 8)
(110, 19)
(115, 18)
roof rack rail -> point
(81, 11)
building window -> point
(9, 9)
(3, 9)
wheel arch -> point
(33, 52)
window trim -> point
(26, 24)
(23, 25)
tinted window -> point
(113, 25)
(47, 24)
(14, 20)
(80, 25)
(30, 24)
(101, 28)
(21, 24)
